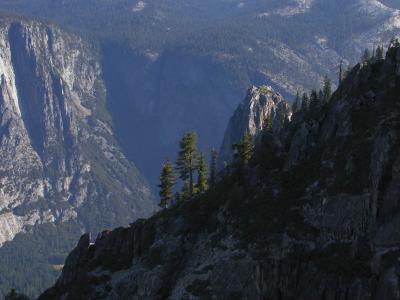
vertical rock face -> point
(171, 92)
(58, 157)
(260, 103)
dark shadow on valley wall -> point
(154, 99)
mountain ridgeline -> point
(62, 171)
(314, 214)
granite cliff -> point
(59, 160)
(259, 104)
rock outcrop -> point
(324, 226)
(59, 161)
(260, 103)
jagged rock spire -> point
(259, 103)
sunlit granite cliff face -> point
(59, 161)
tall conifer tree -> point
(379, 53)
(297, 103)
(266, 134)
(305, 102)
(167, 181)
(185, 193)
(366, 56)
(314, 99)
(202, 180)
(243, 150)
(186, 162)
(327, 91)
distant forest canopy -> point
(391, 3)
(206, 23)
(244, 36)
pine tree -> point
(267, 126)
(379, 53)
(186, 193)
(266, 134)
(202, 181)
(314, 99)
(167, 181)
(366, 57)
(297, 103)
(247, 143)
(281, 115)
(305, 103)
(186, 162)
(213, 167)
(327, 91)
(243, 150)
(266, 148)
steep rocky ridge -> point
(324, 225)
(259, 104)
(59, 161)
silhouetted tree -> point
(186, 162)
(202, 180)
(305, 102)
(186, 194)
(243, 151)
(265, 149)
(266, 134)
(366, 56)
(297, 103)
(327, 90)
(379, 53)
(281, 113)
(314, 100)
(167, 181)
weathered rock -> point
(59, 160)
(324, 226)
(52, 135)
(260, 103)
